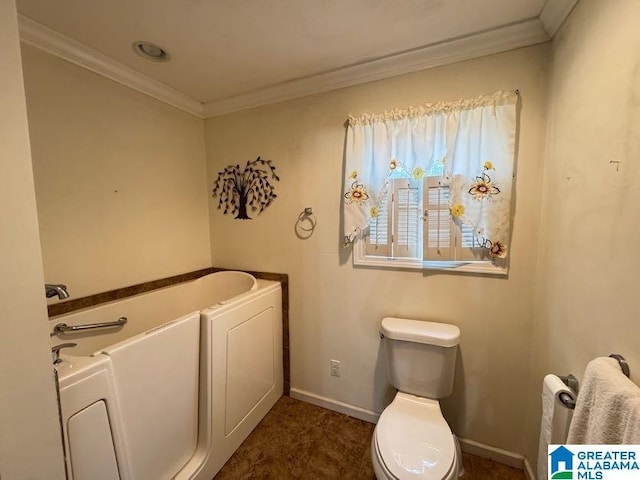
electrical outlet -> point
(335, 368)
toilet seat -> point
(413, 440)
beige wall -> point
(120, 179)
(587, 288)
(559, 308)
(30, 446)
(335, 308)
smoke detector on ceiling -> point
(151, 51)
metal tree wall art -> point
(251, 188)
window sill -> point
(482, 267)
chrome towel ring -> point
(306, 223)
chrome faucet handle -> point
(55, 351)
(51, 290)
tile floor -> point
(297, 440)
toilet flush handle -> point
(55, 351)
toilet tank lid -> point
(432, 333)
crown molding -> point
(509, 37)
(39, 36)
(554, 13)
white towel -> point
(631, 435)
(608, 407)
(554, 423)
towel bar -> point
(623, 363)
(567, 400)
(572, 382)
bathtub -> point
(175, 391)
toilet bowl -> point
(412, 440)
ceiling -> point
(231, 54)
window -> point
(430, 186)
(413, 227)
(396, 229)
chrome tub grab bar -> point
(62, 328)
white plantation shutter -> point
(414, 222)
(467, 237)
(444, 239)
(437, 222)
(397, 230)
(378, 239)
(465, 243)
(407, 218)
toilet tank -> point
(420, 356)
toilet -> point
(412, 440)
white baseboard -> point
(499, 455)
(528, 470)
(493, 453)
(335, 405)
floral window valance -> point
(468, 143)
